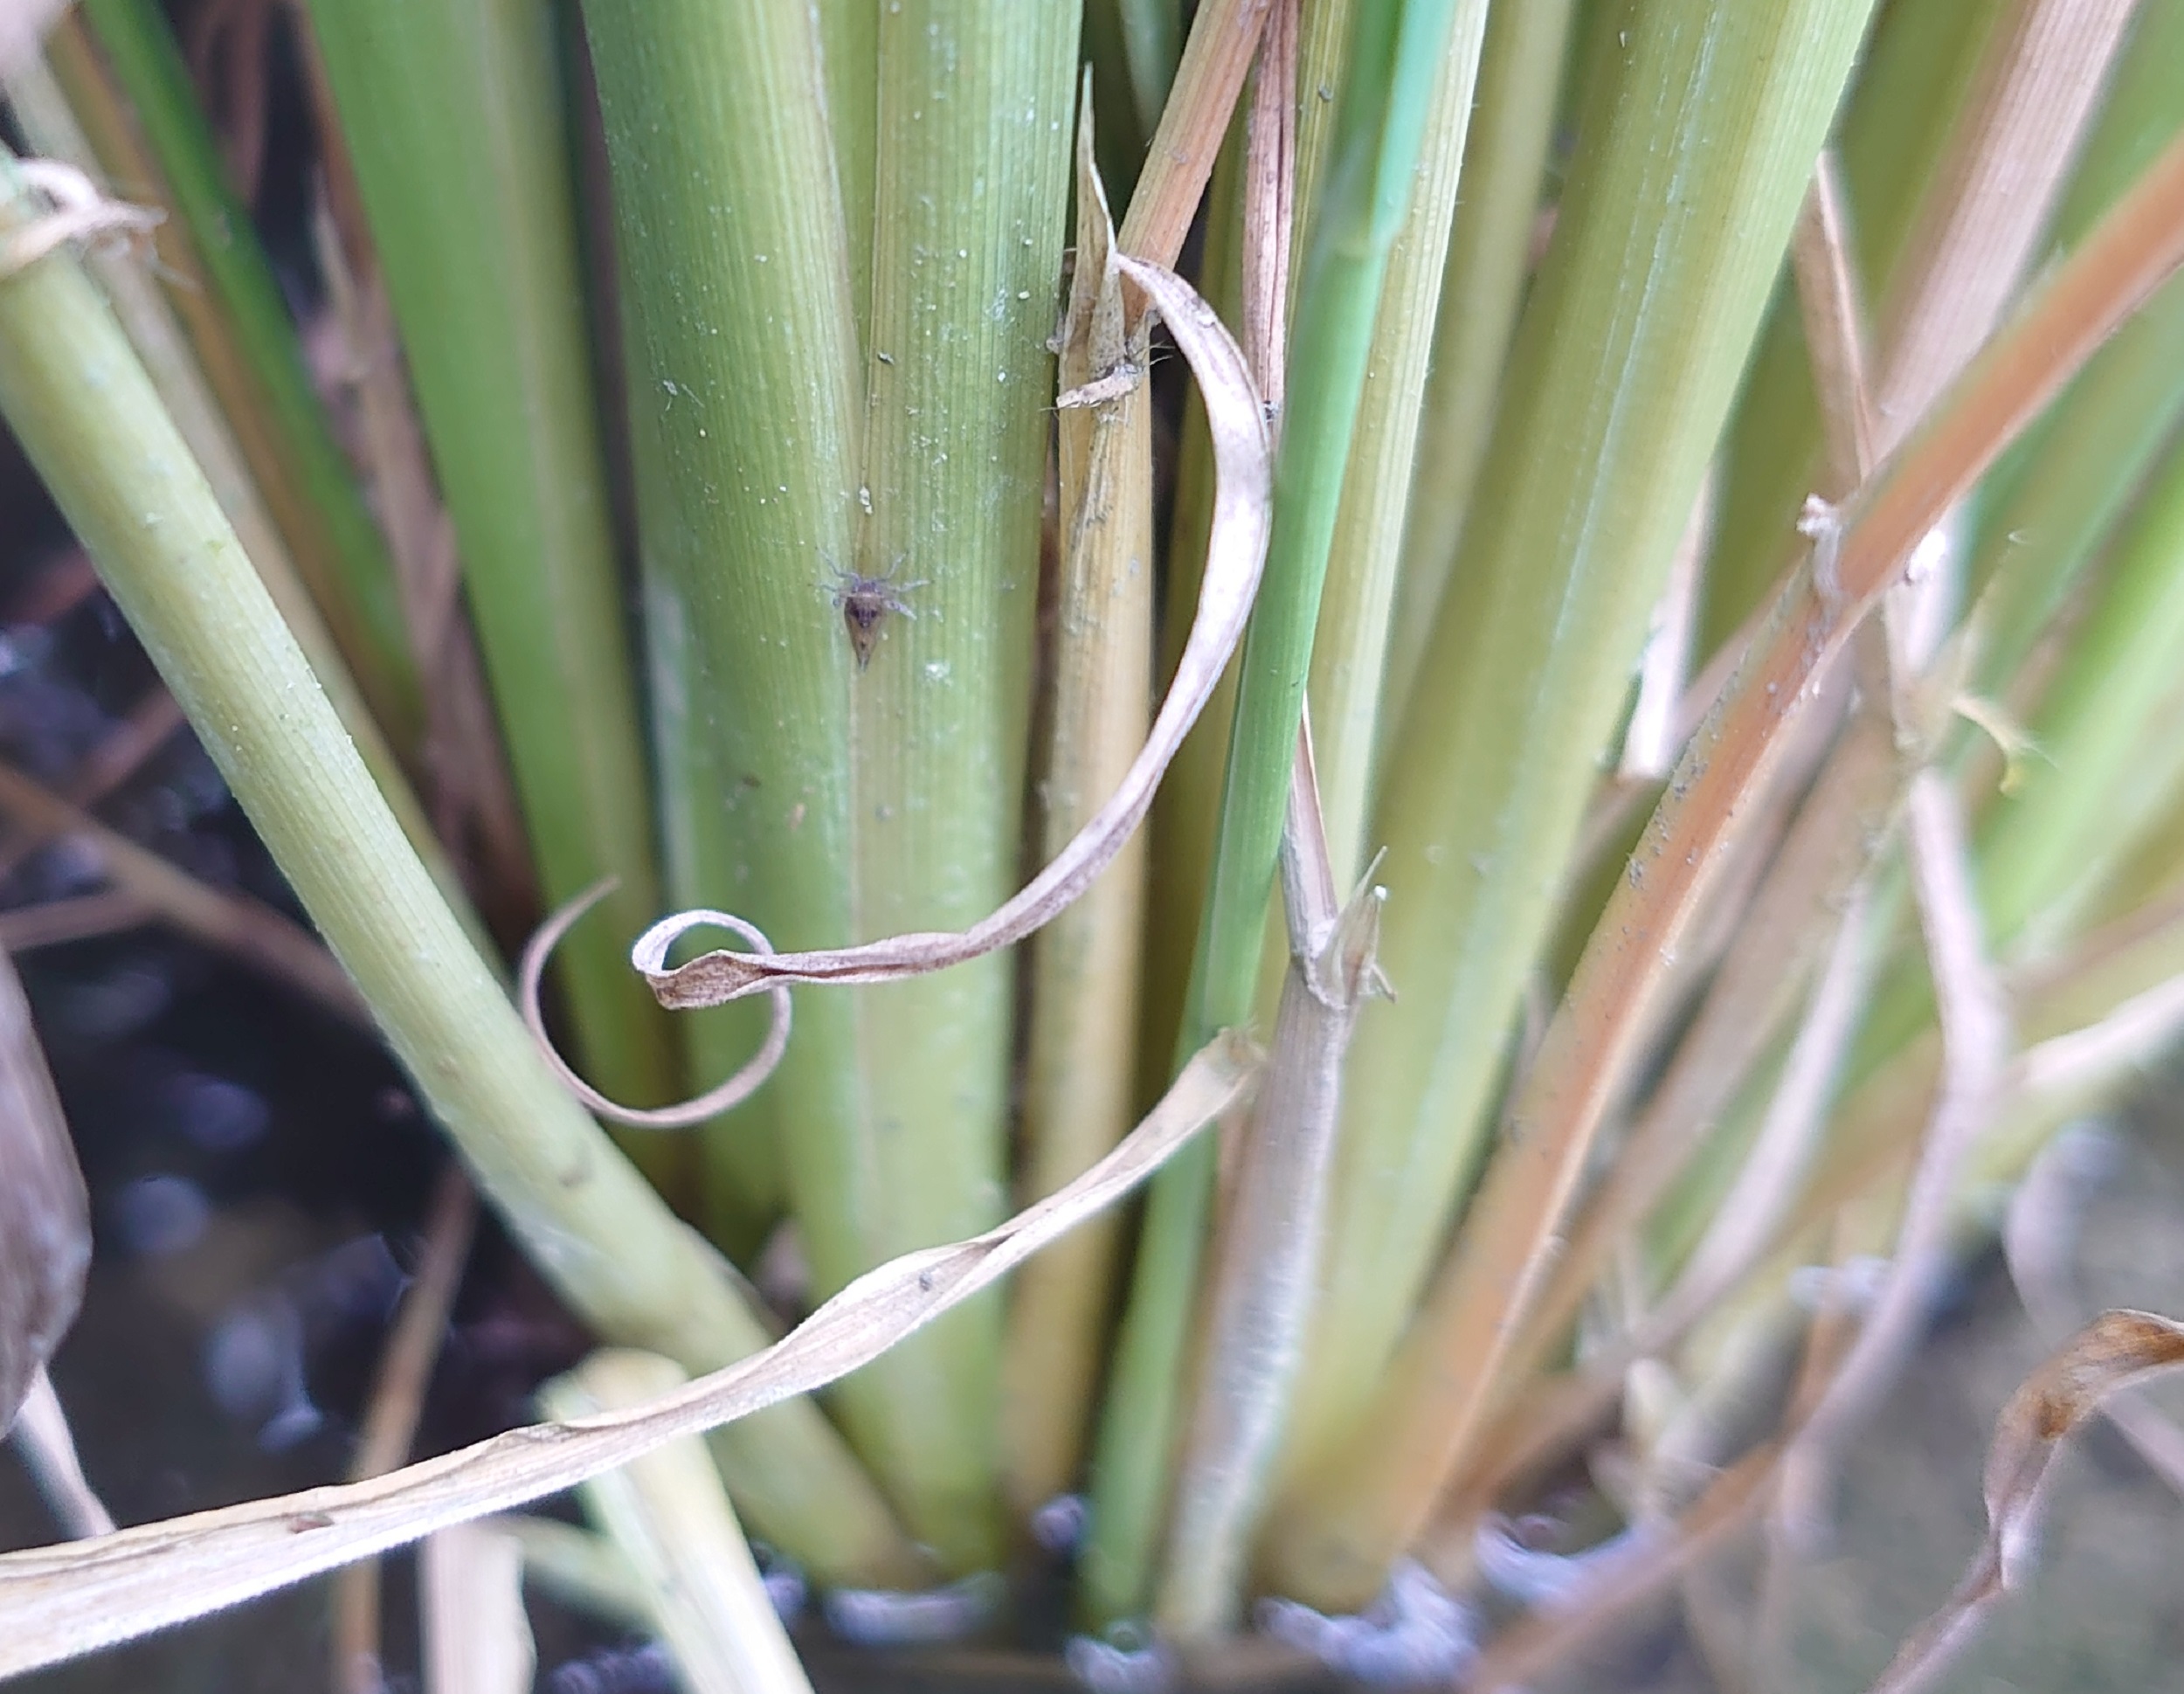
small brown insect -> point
(866, 601)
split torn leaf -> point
(1236, 554)
(59, 1603)
(2115, 1351)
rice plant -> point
(1532, 646)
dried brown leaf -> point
(1235, 554)
(45, 1220)
(57, 1603)
(2113, 1351)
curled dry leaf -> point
(2114, 1351)
(44, 1219)
(1236, 554)
(734, 1092)
(59, 1603)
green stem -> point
(244, 336)
(1489, 257)
(147, 315)
(1915, 80)
(1679, 207)
(1394, 62)
(972, 186)
(2092, 788)
(742, 350)
(1351, 647)
(81, 405)
(455, 123)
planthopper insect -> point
(865, 603)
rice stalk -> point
(1616, 392)
(475, 228)
(79, 402)
(1393, 61)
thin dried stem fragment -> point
(398, 1399)
(1797, 1115)
(233, 923)
(1834, 312)
(473, 795)
(41, 1435)
(1976, 1042)
(1216, 56)
(75, 918)
(1236, 556)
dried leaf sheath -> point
(1267, 1258)
(1076, 1095)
